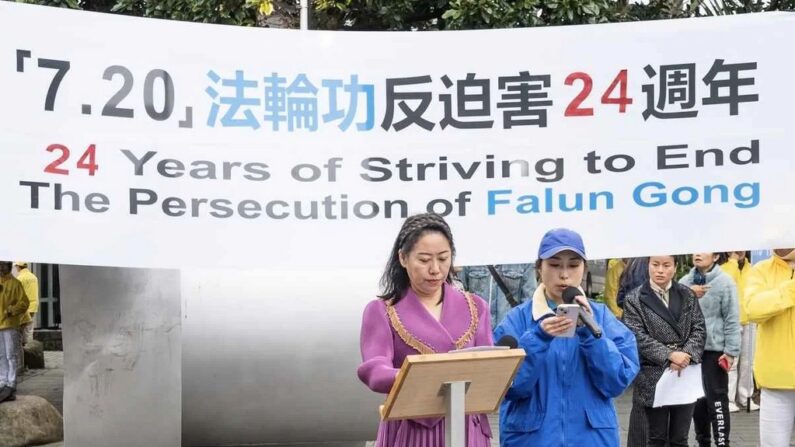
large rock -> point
(34, 355)
(28, 421)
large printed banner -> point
(139, 142)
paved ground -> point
(48, 383)
(745, 426)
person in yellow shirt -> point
(615, 267)
(741, 376)
(31, 286)
(769, 301)
(13, 305)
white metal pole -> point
(304, 15)
(455, 420)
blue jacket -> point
(563, 392)
(721, 310)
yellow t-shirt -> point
(13, 299)
(614, 269)
(769, 301)
(31, 285)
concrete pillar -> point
(122, 357)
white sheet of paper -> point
(673, 389)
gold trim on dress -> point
(473, 323)
(404, 334)
(419, 346)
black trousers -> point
(669, 425)
(713, 408)
(637, 435)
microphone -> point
(568, 297)
(507, 340)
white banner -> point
(150, 143)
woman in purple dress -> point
(420, 312)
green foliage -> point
(71, 4)
(237, 12)
(367, 15)
(480, 14)
(683, 265)
(233, 12)
(421, 14)
(717, 8)
(571, 12)
(477, 14)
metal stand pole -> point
(455, 419)
(304, 15)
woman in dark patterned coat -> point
(670, 330)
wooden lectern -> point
(452, 385)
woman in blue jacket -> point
(563, 392)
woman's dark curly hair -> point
(395, 280)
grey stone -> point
(28, 421)
(34, 355)
(52, 339)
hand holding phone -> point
(570, 312)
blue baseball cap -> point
(558, 240)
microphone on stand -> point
(509, 341)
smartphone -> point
(724, 363)
(571, 312)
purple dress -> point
(388, 336)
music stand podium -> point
(451, 385)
